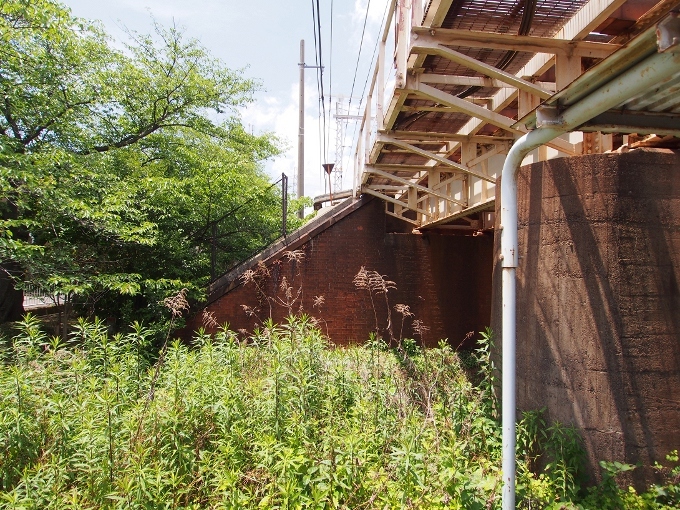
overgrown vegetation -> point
(277, 420)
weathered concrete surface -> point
(445, 279)
(598, 310)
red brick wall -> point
(598, 306)
(446, 281)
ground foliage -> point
(277, 420)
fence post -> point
(284, 203)
(213, 254)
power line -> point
(330, 76)
(317, 53)
(322, 97)
(361, 45)
(375, 48)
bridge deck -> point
(441, 115)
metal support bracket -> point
(668, 33)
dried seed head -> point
(286, 289)
(294, 255)
(419, 328)
(262, 269)
(208, 319)
(177, 304)
(361, 279)
(248, 276)
(318, 301)
(372, 281)
(250, 311)
(404, 310)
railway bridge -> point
(572, 258)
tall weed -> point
(283, 420)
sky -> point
(262, 37)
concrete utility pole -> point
(301, 130)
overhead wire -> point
(320, 69)
(319, 75)
(318, 50)
(361, 45)
(330, 78)
(316, 18)
(370, 67)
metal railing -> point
(281, 230)
(35, 297)
(443, 188)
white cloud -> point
(375, 11)
(270, 114)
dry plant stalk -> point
(208, 319)
(177, 304)
(405, 311)
(376, 283)
(288, 300)
(287, 296)
(294, 255)
(257, 277)
(419, 329)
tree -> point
(114, 165)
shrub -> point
(280, 420)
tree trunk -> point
(64, 317)
(11, 299)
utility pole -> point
(301, 131)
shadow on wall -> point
(598, 306)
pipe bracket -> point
(548, 116)
(668, 33)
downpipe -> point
(508, 258)
(648, 74)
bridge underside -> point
(467, 78)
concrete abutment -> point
(598, 306)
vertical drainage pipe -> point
(650, 74)
(508, 258)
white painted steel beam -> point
(477, 81)
(387, 198)
(429, 46)
(396, 104)
(434, 157)
(409, 220)
(407, 183)
(448, 137)
(513, 42)
(436, 12)
(461, 105)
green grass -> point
(282, 420)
